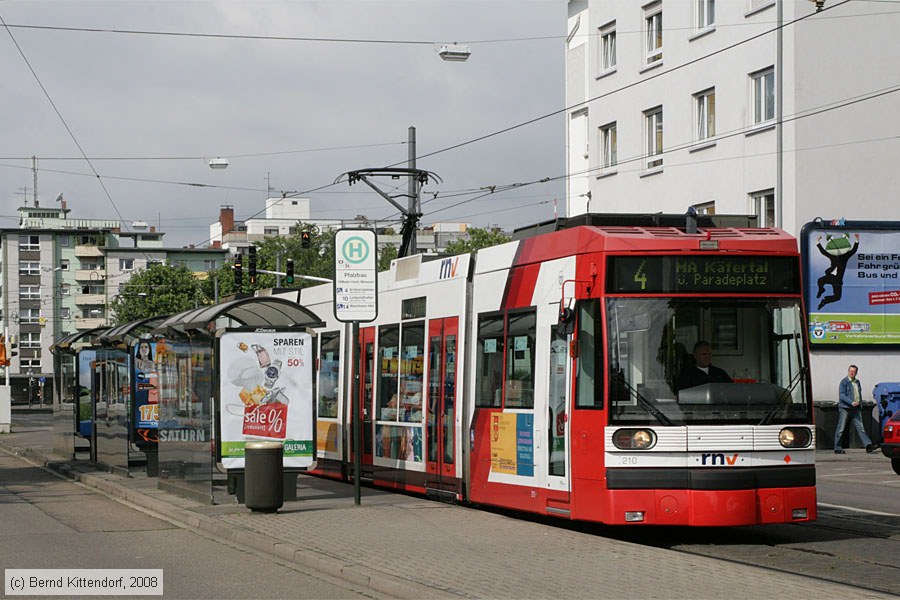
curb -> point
(350, 572)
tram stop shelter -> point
(73, 408)
(125, 397)
(228, 374)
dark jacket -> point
(845, 393)
(692, 376)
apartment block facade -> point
(675, 103)
(58, 276)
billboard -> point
(266, 393)
(852, 282)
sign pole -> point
(355, 301)
(357, 418)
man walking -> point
(849, 401)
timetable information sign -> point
(355, 275)
(703, 274)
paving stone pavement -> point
(409, 547)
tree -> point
(159, 289)
(478, 239)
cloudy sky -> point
(149, 110)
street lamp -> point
(454, 52)
(218, 163)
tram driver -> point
(701, 370)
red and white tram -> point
(546, 375)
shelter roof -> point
(132, 329)
(257, 311)
(84, 335)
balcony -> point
(89, 275)
(89, 323)
(88, 251)
(88, 299)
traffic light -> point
(289, 278)
(251, 261)
(305, 239)
(238, 267)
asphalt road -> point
(50, 523)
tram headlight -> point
(634, 439)
(795, 437)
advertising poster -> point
(852, 285)
(146, 393)
(266, 393)
(512, 444)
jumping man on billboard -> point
(838, 251)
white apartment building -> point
(675, 103)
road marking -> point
(859, 510)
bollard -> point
(263, 481)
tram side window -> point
(388, 369)
(520, 336)
(329, 370)
(489, 361)
(589, 383)
(412, 370)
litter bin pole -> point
(263, 481)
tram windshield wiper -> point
(785, 394)
(647, 405)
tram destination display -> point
(702, 273)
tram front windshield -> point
(659, 361)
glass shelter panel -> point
(185, 416)
(678, 361)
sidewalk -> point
(410, 547)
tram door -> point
(440, 438)
(558, 426)
(366, 390)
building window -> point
(30, 339)
(29, 267)
(64, 290)
(608, 146)
(29, 315)
(706, 113)
(762, 204)
(705, 208)
(29, 242)
(653, 123)
(210, 265)
(63, 240)
(126, 264)
(653, 31)
(763, 84)
(706, 13)
(30, 292)
(608, 47)
(64, 264)
(64, 314)
(30, 364)
(270, 231)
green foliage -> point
(478, 239)
(157, 290)
(385, 256)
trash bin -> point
(263, 481)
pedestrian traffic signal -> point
(289, 279)
(251, 261)
(238, 267)
(305, 239)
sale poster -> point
(266, 393)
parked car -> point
(890, 447)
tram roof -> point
(257, 311)
(84, 335)
(132, 329)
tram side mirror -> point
(566, 323)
